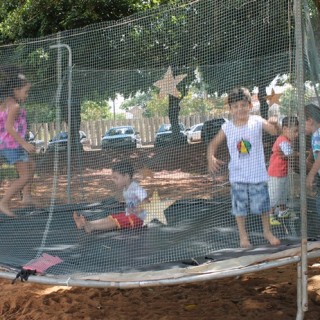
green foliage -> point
(35, 18)
(140, 99)
(228, 41)
(40, 113)
(148, 4)
(96, 110)
(156, 107)
(289, 100)
(195, 102)
(149, 102)
(8, 172)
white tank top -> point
(247, 161)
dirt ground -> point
(263, 295)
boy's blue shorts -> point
(13, 156)
(250, 198)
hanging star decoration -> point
(155, 208)
(273, 98)
(168, 85)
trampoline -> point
(204, 50)
(188, 236)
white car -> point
(194, 133)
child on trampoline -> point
(312, 127)
(247, 169)
(133, 194)
(278, 183)
(14, 149)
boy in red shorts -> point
(134, 195)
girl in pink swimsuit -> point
(14, 149)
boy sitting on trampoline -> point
(247, 169)
(133, 194)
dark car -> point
(164, 135)
(123, 137)
(39, 144)
(60, 142)
(211, 128)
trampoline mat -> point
(198, 231)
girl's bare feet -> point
(4, 208)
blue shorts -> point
(250, 198)
(13, 156)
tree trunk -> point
(264, 107)
(174, 110)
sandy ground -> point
(264, 295)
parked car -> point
(164, 135)
(210, 128)
(124, 137)
(39, 144)
(60, 142)
(194, 133)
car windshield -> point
(196, 127)
(64, 136)
(61, 136)
(119, 131)
(167, 127)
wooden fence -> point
(147, 127)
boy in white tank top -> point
(247, 168)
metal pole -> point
(60, 45)
(56, 159)
(303, 266)
(300, 312)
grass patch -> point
(8, 172)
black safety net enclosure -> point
(123, 116)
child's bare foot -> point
(87, 227)
(245, 243)
(4, 208)
(274, 241)
(79, 220)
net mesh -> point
(195, 51)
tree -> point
(230, 42)
(37, 18)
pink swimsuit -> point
(20, 124)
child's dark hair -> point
(123, 167)
(312, 111)
(239, 94)
(11, 77)
(290, 122)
